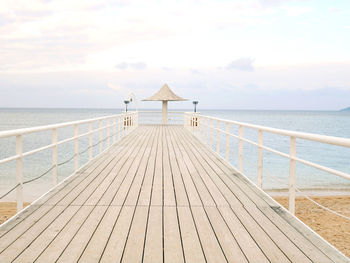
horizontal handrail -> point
(200, 124)
(23, 131)
(301, 135)
(125, 122)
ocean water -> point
(276, 168)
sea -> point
(275, 168)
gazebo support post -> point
(165, 112)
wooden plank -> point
(204, 176)
(81, 193)
(57, 246)
(113, 195)
(153, 251)
(134, 245)
(12, 251)
(134, 192)
(94, 250)
(168, 184)
(77, 245)
(227, 241)
(173, 251)
(250, 249)
(157, 188)
(115, 246)
(55, 195)
(210, 244)
(32, 251)
(26, 222)
(126, 184)
(146, 188)
(203, 192)
(293, 252)
(191, 244)
(111, 177)
(191, 192)
(265, 233)
(180, 191)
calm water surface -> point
(275, 168)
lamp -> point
(195, 105)
(126, 105)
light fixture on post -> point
(195, 105)
(126, 105)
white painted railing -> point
(204, 126)
(117, 126)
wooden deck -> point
(159, 195)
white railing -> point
(203, 127)
(117, 126)
(155, 117)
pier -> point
(159, 195)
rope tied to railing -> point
(59, 164)
(303, 194)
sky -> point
(227, 54)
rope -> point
(59, 164)
(36, 178)
(9, 191)
(305, 195)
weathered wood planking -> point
(159, 195)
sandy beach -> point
(335, 229)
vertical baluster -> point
(240, 149)
(292, 171)
(19, 166)
(218, 138)
(206, 131)
(108, 133)
(260, 158)
(100, 133)
(90, 141)
(76, 147)
(211, 133)
(54, 157)
(114, 129)
(119, 126)
(227, 143)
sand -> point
(8, 209)
(335, 229)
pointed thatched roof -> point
(165, 93)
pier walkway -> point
(159, 195)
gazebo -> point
(165, 94)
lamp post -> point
(126, 105)
(195, 105)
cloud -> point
(137, 66)
(243, 64)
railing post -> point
(90, 141)
(218, 138)
(114, 129)
(292, 171)
(260, 158)
(227, 143)
(240, 149)
(100, 133)
(119, 130)
(19, 164)
(211, 134)
(206, 131)
(54, 157)
(108, 133)
(76, 147)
